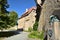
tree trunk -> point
(47, 9)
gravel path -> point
(21, 36)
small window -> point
(32, 21)
(27, 20)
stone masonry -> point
(27, 19)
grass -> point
(29, 29)
(36, 34)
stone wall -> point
(57, 30)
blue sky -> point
(20, 5)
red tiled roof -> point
(28, 12)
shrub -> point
(30, 29)
(33, 34)
(35, 26)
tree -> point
(3, 14)
(13, 17)
(45, 13)
(7, 19)
(3, 6)
(48, 7)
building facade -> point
(27, 20)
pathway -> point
(20, 36)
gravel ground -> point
(1, 38)
(21, 36)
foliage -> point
(3, 14)
(35, 26)
(36, 34)
(30, 29)
(13, 18)
(7, 19)
(3, 6)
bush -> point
(35, 26)
(36, 34)
(30, 29)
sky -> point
(20, 5)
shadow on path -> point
(10, 33)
